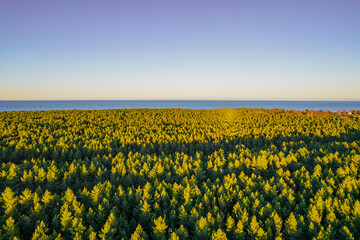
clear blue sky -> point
(180, 49)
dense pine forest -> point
(179, 174)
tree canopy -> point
(179, 174)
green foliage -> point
(9, 200)
(40, 232)
(160, 228)
(139, 234)
(179, 174)
(291, 226)
(10, 228)
(218, 235)
(109, 229)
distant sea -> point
(189, 104)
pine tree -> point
(27, 176)
(47, 198)
(239, 231)
(210, 219)
(182, 232)
(65, 216)
(92, 168)
(77, 236)
(356, 209)
(11, 229)
(41, 175)
(160, 228)
(59, 237)
(77, 227)
(145, 208)
(52, 173)
(277, 221)
(40, 232)
(9, 199)
(26, 197)
(78, 208)
(174, 236)
(96, 192)
(69, 196)
(91, 233)
(183, 216)
(291, 225)
(109, 229)
(36, 202)
(230, 223)
(202, 227)
(13, 170)
(255, 230)
(218, 235)
(139, 234)
(346, 234)
(244, 216)
(323, 235)
(330, 217)
(314, 215)
(187, 195)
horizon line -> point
(294, 100)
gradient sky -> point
(283, 50)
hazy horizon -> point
(188, 50)
(250, 100)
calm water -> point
(115, 104)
